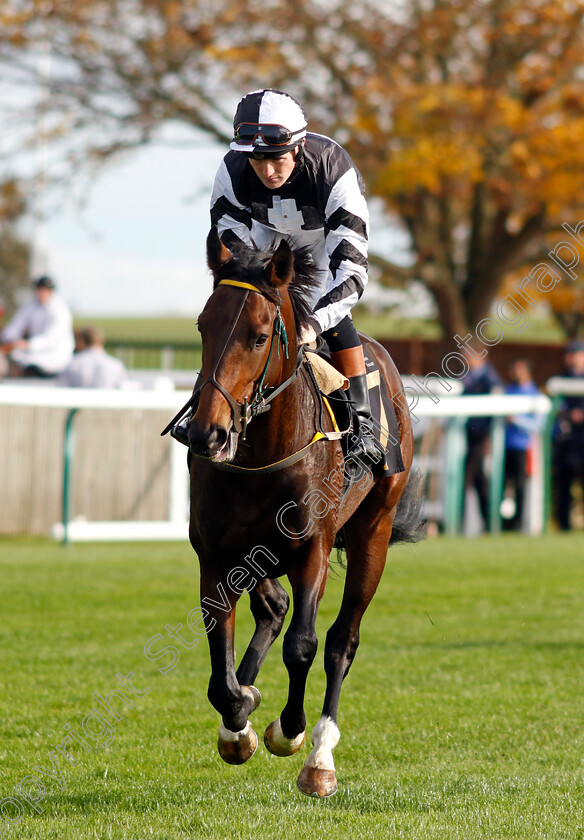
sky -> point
(137, 247)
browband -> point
(240, 285)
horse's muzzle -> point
(210, 441)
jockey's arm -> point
(233, 219)
(346, 242)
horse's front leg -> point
(285, 735)
(237, 740)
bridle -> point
(263, 394)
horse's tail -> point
(409, 524)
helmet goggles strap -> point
(271, 134)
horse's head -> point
(248, 332)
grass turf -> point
(461, 718)
(377, 324)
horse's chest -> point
(227, 522)
(270, 514)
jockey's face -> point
(273, 172)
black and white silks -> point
(321, 206)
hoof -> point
(315, 782)
(277, 743)
(237, 747)
(253, 692)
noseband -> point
(242, 413)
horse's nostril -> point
(217, 438)
(207, 441)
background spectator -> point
(569, 439)
(517, 444)
(39, 340)
(482, 378)
(91, 366)
(80, 343)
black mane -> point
(248, 266)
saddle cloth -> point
(333, 385)
(328, 378)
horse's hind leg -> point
(367, 538)
(269, 604)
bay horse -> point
(268, 501)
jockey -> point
(281, 182)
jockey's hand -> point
(307, 335)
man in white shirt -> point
(92, 367)
(39, 340)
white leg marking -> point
(325, 737)
(227, 735)
(280, 739)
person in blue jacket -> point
(518, 434)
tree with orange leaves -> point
(466, 117)
(15, 248)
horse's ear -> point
(217, 253)
(280, 269)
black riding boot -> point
(366, 446)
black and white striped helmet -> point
(269, 122)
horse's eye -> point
(261, 340)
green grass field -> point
(383, 324)
(461, 718)
(182, 334)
